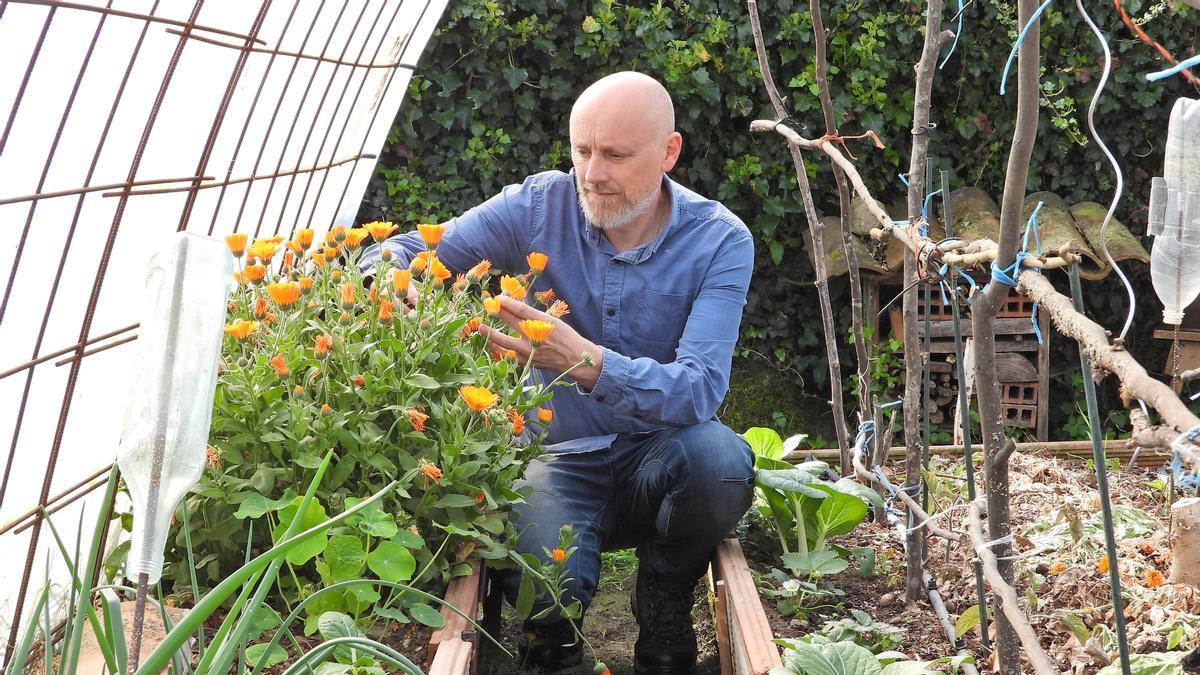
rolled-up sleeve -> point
(689, 389)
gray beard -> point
(622, 217)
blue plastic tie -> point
(902, 179)
(929, 197)
(1174, 70)
(1195, 396)
(891, 404)
(1008, 275)
(957, 32)
(1021, 38)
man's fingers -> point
(502, 340)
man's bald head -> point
(630, 94)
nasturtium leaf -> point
(392, 562)
(409, 539)
(275, 656)
(344, 555)
(427, 615)
(372, 520)
(309, 548)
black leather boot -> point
(549, 646)
(666, 643)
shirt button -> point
(611, 311)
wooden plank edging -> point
(450, 651)
(750, 646)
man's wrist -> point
(587, 373)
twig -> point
(1092, 338)
(814, 228)
(914, 508)
(1008, 598)
(1137, 30)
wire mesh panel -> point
(124, 122)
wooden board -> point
(750, 649)
(452, 647)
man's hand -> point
(563, 349)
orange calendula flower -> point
(491, 305)
(294, 247)
(325, 409)
(304, 237)
(512, 287)
(478, 398)
(1058, 568)
(431, 471)
(338, 234)
(254, 272)
(355, 237)
(400, 280)
(336, 275)
(537, 261)
(1154, 579)
(263, 249)
(284, 294)
(379, 230)
(518, 422)
(241, 329)
(417, 419)
(1102, 564)
(479, 271)
(347, 294)
(460, 283)
(559, 309)
(559, 556)
(545, 415)
(236, 243)
(305, 284)
(419, 263)
(536, 331)
(470, 328)
(280, 365)
(298, 389)
(481, 500)
(385, 310)
(502, 354)
(545, 297)
(321, 345)
(319, 260)
(260, 308)
(360, 381)
(289, 260)
(373, 294)
(331, 253)
(437, 270)
(431, 233)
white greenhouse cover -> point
(96, 94)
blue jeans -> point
(674, 494)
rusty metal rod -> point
(244, 179)
(117, 343)
(42, 359)
(97, 188)
(136, 15)
(51, 502)
(298, 55)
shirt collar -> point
(641, 252)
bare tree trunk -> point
(913, 363)
(865, 404)
(997, 448)
(814, 228)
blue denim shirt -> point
(666, 313)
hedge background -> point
(491, 99)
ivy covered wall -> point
(491, 98)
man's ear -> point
(674, 146)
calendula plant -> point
(322, 357)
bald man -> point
(655, 277)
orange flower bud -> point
(431, 471)
(479, 271)
(537, 261)
(338, 233)
(545, 415)
(306, 284)
(321, 345)
(417, 419)
(431, 234)
(545, 297)
(347, 293)
(558, 310)
(400, 280)
(518, 422)
(559, 556)
(360, 381)
(280, 366)
(304, 237)
(438, 270)
(419, 263)
(297, 390)
(236, 243)
(325, 409)
(385, 310)
(260, 307)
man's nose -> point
(595, 172)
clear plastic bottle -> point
(1175, 215)
(165, 436)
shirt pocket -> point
(659, 322)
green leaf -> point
(525, 596)
(422, 381)
(1073, 623)
(838, 514)
(276, 656)
(409, 539)
(791, 480)
(335, 625)
(393, 614)
(764, 442)
(820, 562)
(1157, 663)
(837, 658)
(454, 502)
(966, 621)
(345, 557)
(907, 668)
(262, 620)
(515, 77)
(852, 487)
(372, 520)
(311, 547)
(427, 615)
(392, 562)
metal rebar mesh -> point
(124, 121)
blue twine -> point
(1017, 45)
(1185, 480)
(957, 32)
(928, 198)
(1175, 69)
(902, 179)
(1008, 275)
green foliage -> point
(491, 101)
